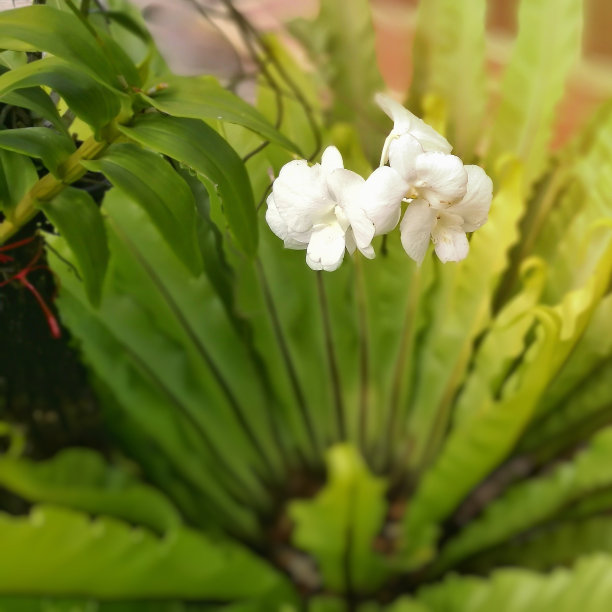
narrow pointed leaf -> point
(110, 559)
(80, 479)
(50, 146)
(95, 104)
(78, 219)
(547, 47)
(198, 146)
(152, 183)
(204, 98)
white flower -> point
(325, 208)
(447, 224)
(406, 124)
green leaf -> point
(558, 544)
(111, 559)
(343, 31)
(204, 98)
(153, 184)
(198, 146)
(474, 449)
(60, 33)
(534, 502)
(17, 175)
(449, 61)
(458, 310)
(587, 586)
(547, 47)
(180, 358)
(37, 101)
(45, 604)
(94, 104)
(78, 218)
(341, 523)
(81, 480)
(47, 144)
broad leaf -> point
(17, 175)
(341, 523)
(198, 146)
(78, 218)
(547, 47)
(80, 479)
(534, 502)
(60, 33)
(152, 183)
(110, 559)
(37, 101)
(94, 104)
(204, 98)
(587, 586)
(50, 146)
(449, 61)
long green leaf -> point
(46, 604)
(50, 146)
(449, 61)
(341, 523)
(17, 175)
(81, 480)
(152, 183)
(534, 502)
(110, 559)
(587, 586)
(547, 47)
(60, 33)
(558, 545)
(198, 146)
(37, 101)
(94, 104)
(459, 311)
(204, 98)
(78, 218)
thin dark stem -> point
(364, 366)
(400, 367)
(236, 408)
(288, 360)
(247, 27)
(331, 358)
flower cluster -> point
(327, 209)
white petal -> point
(416, 227)
(274, 220)
(331, 160)
(344, 186)
(474, 207)
(406, 122)
(326, 248)
(450, 241)
(441, 178)
(382, 198)
(350, 241)
(363, 228)
(403, 153)
(301, 196)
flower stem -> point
(364, 366)
(47, 187)
(288, 360)
(400, 366)
(331, 358)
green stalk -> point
(46, 188)
(332, 360)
